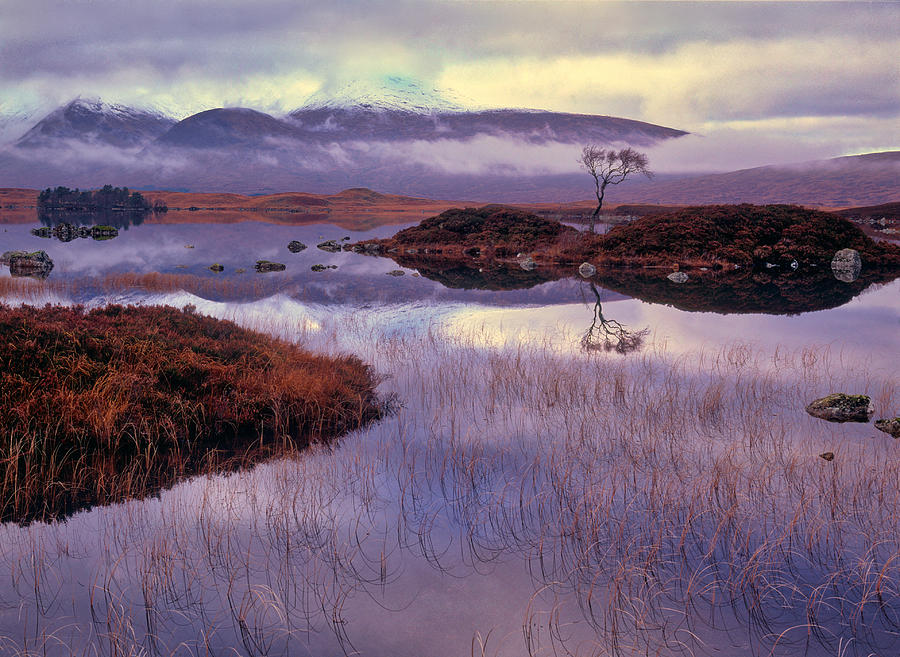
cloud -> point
(668, 62)
(698, 82)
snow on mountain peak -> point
(390, 93)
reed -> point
(651, 504)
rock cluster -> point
(66, 232)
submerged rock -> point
(295, 246)
(323, 267)
(263, 266)
(678, 277)
(890, 426)
(840, 407)
(332, 246)
(846, 265)
(37, 264)
(216, 267)
(586, 270)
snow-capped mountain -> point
(390, 93)
(94, 121)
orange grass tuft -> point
(116, 402)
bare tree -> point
(610, 167)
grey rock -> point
(332, 246)
(890, 426)
(396, 272)
(678, 277)
(840, 407)
(295, 246)
(846, 265)
(264, 266)
(795, 265)
(586, 270)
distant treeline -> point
(106, 199)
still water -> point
(572, 469)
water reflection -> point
(106, 217)
(610, 334)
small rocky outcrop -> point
(586, 270)
(216, 267)
(396, 272)
(678, 277)
(263, 266)
(890, 426)
(37, 264)
(840, 407)
(846, 265)
(295, 246)
(332, 246)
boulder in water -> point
(678, 277)
(263, 266)
(890, 426)
(846, 265)
(840, 407)
(586, 270)
(37, 264)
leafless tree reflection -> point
(608, 334)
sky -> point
(801, 79)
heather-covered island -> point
(99, 406)
(709, 237)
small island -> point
(706, 238)
(119, 402)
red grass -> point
(101, 405)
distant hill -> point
(227, 128)
(93, 121)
